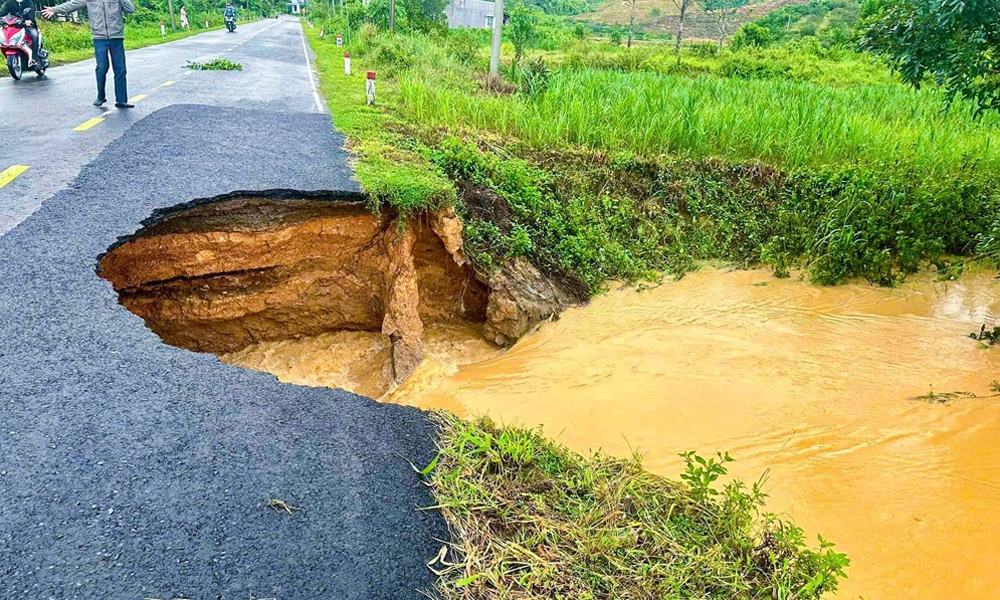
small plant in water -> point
(988, 336)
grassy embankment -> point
(588, 184)
(617, 164)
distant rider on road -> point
(26, 10)
(230, 12)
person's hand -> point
(27, 23)
(48, 13)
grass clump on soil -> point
(535, 520)
(216, 64)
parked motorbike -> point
(231, 25)
(15, 45)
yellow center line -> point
(10, 174)
(137, 98)
(88, 124)
(166, 83)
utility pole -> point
(497, 32)
(392, 16)
(173, 24)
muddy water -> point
(361, 361)
(815, 384)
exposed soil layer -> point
(223, 275)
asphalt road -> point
(45, 135)
(131, 469)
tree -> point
(751, 35)
(957, 43)
(425, 15)
(682, 6)
(722, 12)
(630, 4)
(522, 31)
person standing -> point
(184, 18)
(107, 27)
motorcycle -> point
(15, 45)
(230, 24)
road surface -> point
(61, 130)
(131, 469)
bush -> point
(751, 35)
(463, 44)
(535, 78)
(746, 67)
(615, 36)
(704, 49)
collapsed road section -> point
(130, 468)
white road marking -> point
(312, 79)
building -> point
(473, 14)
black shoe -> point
(124, 105)
(99, 103)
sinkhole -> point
(254, 278)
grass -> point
(781, 122)
(534, 520)
(216, 64)
(390, 163)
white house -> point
(474, 14)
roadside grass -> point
(785, 123)
(390, 162)
(532, 519)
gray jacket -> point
(105, 16)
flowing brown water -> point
(816, 384)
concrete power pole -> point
(497, 32)
(392, 16)
(170, 5)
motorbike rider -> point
(26, 10)
(230, 12)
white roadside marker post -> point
(347, 63)
(206, 23)
(370, 87)
(163, 29)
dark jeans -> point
(32, 33)
(116, 49)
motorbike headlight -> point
(17, 37)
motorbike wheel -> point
(14, 66)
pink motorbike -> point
(15, 45)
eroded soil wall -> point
(220, 276)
